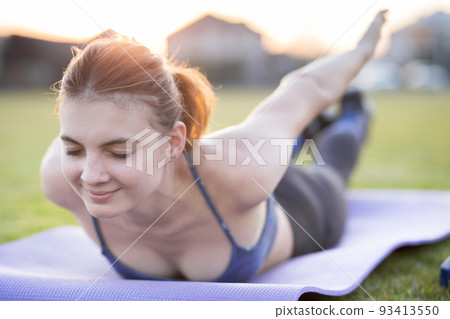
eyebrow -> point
(111, 142)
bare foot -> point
(370, 39)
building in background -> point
(232, 53)
(29, 62)
(420, 53)
(228, 53)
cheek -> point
(136, 181)
(71, 169)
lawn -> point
(408, 148)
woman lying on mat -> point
(164, 201)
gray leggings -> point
(314, 195)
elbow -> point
(51, 177)
(47, 176)
(53, 183)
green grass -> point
(27, 126)
(408, 148)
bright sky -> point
(327, 22)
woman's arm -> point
(300, 97)
(53, 184)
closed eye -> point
(73, 153)
(112, 154)
(119, 155)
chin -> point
(103, 211)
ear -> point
(178, 139)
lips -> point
(99, 196)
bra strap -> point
(208, 198)
(99, 233)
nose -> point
(94, 171)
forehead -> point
(97, 119)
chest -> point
(195, 248)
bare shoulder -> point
(54, 186)
(239, 165)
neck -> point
(160, 206)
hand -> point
(370, 39)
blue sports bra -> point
(245, 261)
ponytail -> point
(198, 100)
(111, 68)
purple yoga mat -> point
(64, 264)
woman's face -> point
(94, 136)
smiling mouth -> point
(100, 196)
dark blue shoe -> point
(356, 108)
(313, 129)
(355, 113)
(354, 100)
(319, 123)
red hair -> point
(115, 68)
